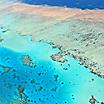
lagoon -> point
(48, 82)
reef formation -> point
(80, 32)
(70, 32)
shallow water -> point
(47, 82)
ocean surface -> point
(82, 4)
(45, 81)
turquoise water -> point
(48, 82)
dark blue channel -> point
(82, 4)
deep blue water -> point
(83, 4)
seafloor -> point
(47, 54)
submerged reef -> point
(28, 61)
(18, 101)
(5, 69)
(58, 57)
(93, 66)
(49, 82)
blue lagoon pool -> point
(45, 81)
